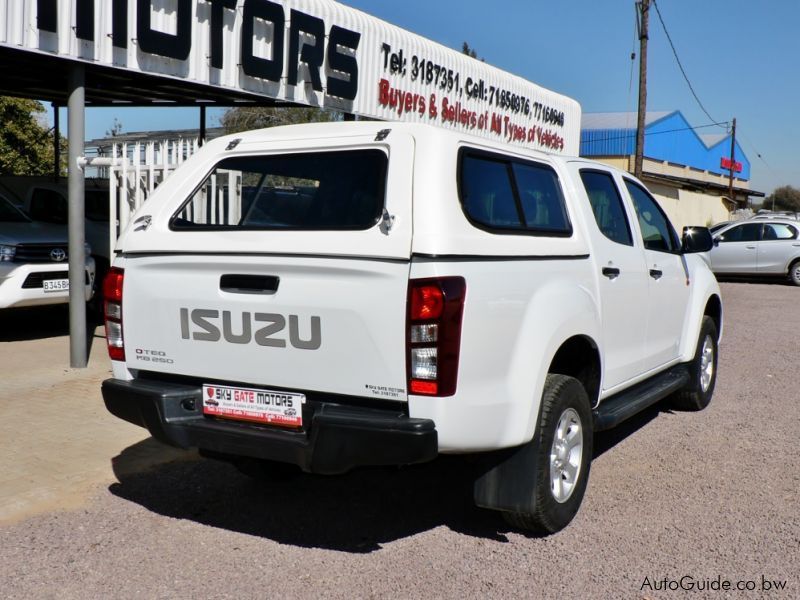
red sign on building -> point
(725, 163)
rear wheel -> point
(794, 272)
(95, 304)
(563, 458)
(703, 371)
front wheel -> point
(563, 458)
(702, 370)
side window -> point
(749, 232)
(501, 193)
(487, 194)
(48, 206)
(779, 231)
(607, 206)
(657, 232)
(541, 198)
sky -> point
(740, 57)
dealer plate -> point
(257, 405)
(55, 285)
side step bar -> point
(616, 409)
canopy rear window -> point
(342, 190)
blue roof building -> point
(687, 171)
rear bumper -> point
(335, 439)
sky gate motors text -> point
(333, 55)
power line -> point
(680, 66)
(758, 154)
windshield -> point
(10, 214)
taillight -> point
(435, 308)
(112, 310)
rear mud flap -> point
(508, 479)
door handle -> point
(751, 247)
(611, 272)
(656, 274)
(249, 284)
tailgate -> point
(276, 263)
(324, 324)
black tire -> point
(697, 394)
(553, 509)
(794, 273)
(95, 304)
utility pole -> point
(733, 163)
(644, 20)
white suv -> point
(34, 261)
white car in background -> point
(758, 247)
(34, 267)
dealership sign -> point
(313, 52)
(727, 163)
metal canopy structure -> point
(45, 77)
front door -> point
(736, 249)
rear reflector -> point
(433, 334)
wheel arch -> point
(714, 310)
(579, 357)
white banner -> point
(313, 52)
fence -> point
(136, 170)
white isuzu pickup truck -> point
(338, 295)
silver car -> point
(758, 247)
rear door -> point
(282, 268)
(779, 245)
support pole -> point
(640, 123)
(56, 143)
(202, 136)
(733, 163)
(76, 215)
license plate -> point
(248, 404)
(55, 285)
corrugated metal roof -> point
(668, 137)
(619, 120)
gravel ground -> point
(709, 496)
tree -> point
(785, 197)
(115, 129)
(465, 49)
(245, 118)
(26, 146)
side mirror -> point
(696, 239)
